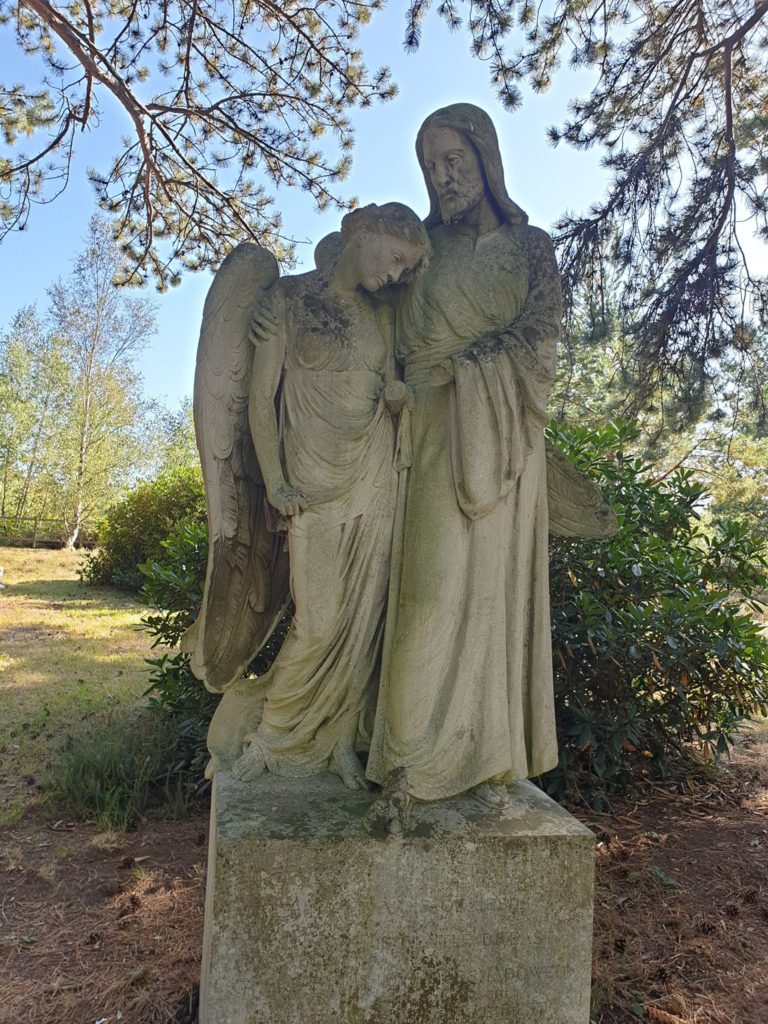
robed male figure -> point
(466, 697)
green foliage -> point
(135, 528)
(74, 428)
(219, 97)
(717, 426)
(104, 447)
(176, 437)
(117, 772)
(173, 588)
(35, 400)
(737, 479)
(656, 652)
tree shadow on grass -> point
(52, 679)
(72, 592)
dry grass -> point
(67, 652)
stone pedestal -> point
(478, 917)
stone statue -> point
(466, 697)
(383, 419)
(295, 435)
(454, 693)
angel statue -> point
(297, 447)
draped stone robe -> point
(466, 687)
(337, 445)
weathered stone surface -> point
(478, 916)
(396, 436)
(311, 470)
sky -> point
(544, 181)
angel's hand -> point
(286, 499)
(397, 395)
(264, 326)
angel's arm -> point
(268, 336)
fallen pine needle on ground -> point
(106, 927)
(681, 902)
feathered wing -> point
(327, 250)
(246, 584)
(577, 506)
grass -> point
(114, 774)
(12, 812)
(68, 655)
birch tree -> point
(104, 328)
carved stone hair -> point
(394, 219)
(476, 126)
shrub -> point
(134, 529)
(116, 772)
(655, 650)
(173, 587)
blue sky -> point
(544, 181)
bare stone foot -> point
(344, 763)
(492, 794)
(237, 716)
(251, 764)
(391, 810)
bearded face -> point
(455, 171)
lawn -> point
(94, 925)
(67, 653)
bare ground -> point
(681, 915)
(99, 928)
(94, 926)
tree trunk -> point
(85, 429)
(6, 468)
(41, 423)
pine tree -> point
(680, 110)
(222, 95)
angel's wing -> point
(246, 585)
(577, 506)
(327, 250)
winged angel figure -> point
(295, 391)
(296, 442)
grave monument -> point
(372, 442)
